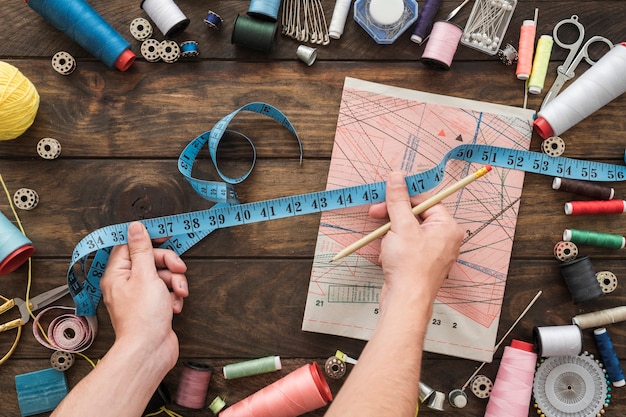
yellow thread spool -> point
(540, 64)
(19, 102)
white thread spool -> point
(441, 47)
(558, 340)
(596, 87)
(170, 20)
(386, 12)
(338, 21)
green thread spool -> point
(601, 240)
(217, 405)
(252, 367)
(254, 33)
(540, 64)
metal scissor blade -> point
(560, 80)
(44, 299)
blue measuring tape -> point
(186, 229)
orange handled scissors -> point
(35, 303)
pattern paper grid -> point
(382, 128)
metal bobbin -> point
(457, 398)
(334, 367)
(49, 148)
(63, 63)
(169, 51)
(189, 49)
(213, 20)
(565, 251)
(150, 50)
(141, 29)
(61, 360)
(508, 55)
(607, 281)
(25, 199)
(482, 386)
(553, 146)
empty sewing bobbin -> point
(169, 51)
(63, 63)
(482, 386)
(334, 367)
(141, 29)
(61, 360)
(553, 146)
(150, 50)
(26, 199)
(49, 148)
(306, 54)
(607, 281)
(565, 251)
(508, 55)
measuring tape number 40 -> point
(186, 229)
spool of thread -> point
(264, 9)
(441, 47)
(595, 88)
(558, 341)
(528, 31)
(193, 385)
(540, 64)
(597, 239)
(78, 20)
(338, 21)
(583, 188)
(301, 391)
(15, 248)
(600, 318)
(170, 20)
(19, 102)
(580, 208)
(609, 357)
(425, 20)
(252, 367)
(580, 277)
(512, 388)
(253, 33)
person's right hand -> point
(416, 255)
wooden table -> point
(121, 134)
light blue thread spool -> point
(189, 49)
(609, 357)
(264, 9)
(252, 367)
(15, 248)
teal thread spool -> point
(601, 240)
(252, 367)
(254, 33)
(15, 248)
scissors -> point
(35, 303)
(565, 72)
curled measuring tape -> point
(186, 229)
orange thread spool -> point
(526, 49)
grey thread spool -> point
(558, 340)
(581, 280)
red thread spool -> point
(301, 391)
(193, 385)
(581, 208)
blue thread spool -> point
(15, 248)
(609, 357)
(213, 20)
(264, 9)
(189, 49)
(425, 20)
(85, 26)
(40, 391)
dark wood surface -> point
(121, 133)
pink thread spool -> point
(301, 391)
(193, 385)
(442, 44)
(512, 389)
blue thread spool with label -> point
(15, 248)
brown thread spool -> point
(193, 385)
(586, 189)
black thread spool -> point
(254, 33)
(581, 280)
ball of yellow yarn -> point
(19, 102)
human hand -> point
(416, 255)
(136, 290)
